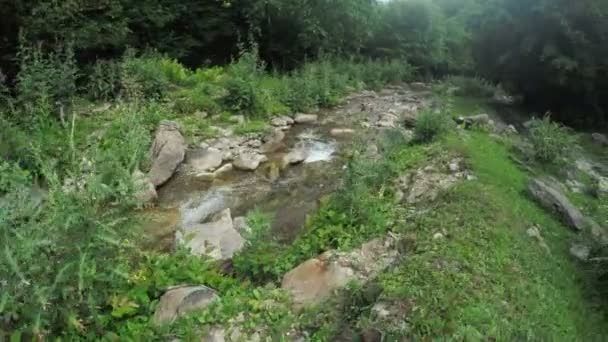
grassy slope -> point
(489, 279)
(486, 280)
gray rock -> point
(167, 152)
(282, 121)
(215, 174)
(600, 139)
(480, 119)
(205, 160)
(272, 141)
(294, 157)
(145, 191)
(218, 240)
(581, 252)
(554, 200)
(316, 279)
(342, 132)
(249, 161)
(181, 300)
(237, 119)
(305, 118)
(510, 129)
(419, 86)
(241, 226)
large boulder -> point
(249, 161)
(204, 160)
(552, 199)
(316, 279)
(167, 152)
(218, 240)
(181, 300)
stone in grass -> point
(552, 199)
(180, 300)
(580, 252)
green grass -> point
(488, 279)
(251, 126)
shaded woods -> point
(551, 51)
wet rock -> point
(580, 252)
(249, 161)
(554, 200)
(181, 300)
(273, 140)
(294, 157)
(305, 118)
(600, 139)
(215, 174)
(145, 191)
(218, 240)
(167, 153)
(205, 160)
(316, 279)
(342, 132)
(282, 121)
(419, 86)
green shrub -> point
(63, 259)
(152, 75)
(44, 79)
(551, 141)
(430, 124)
(258, 260)
(104, 80)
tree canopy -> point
(551, 51)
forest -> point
(462, 142)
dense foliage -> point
(68, 263)
(552, 51)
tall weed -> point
(551, 141)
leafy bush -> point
(152, 75)
(44, 79)
(430, 124)
(104, 80)
(64, 256)
(551, 141)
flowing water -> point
(288, 194)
